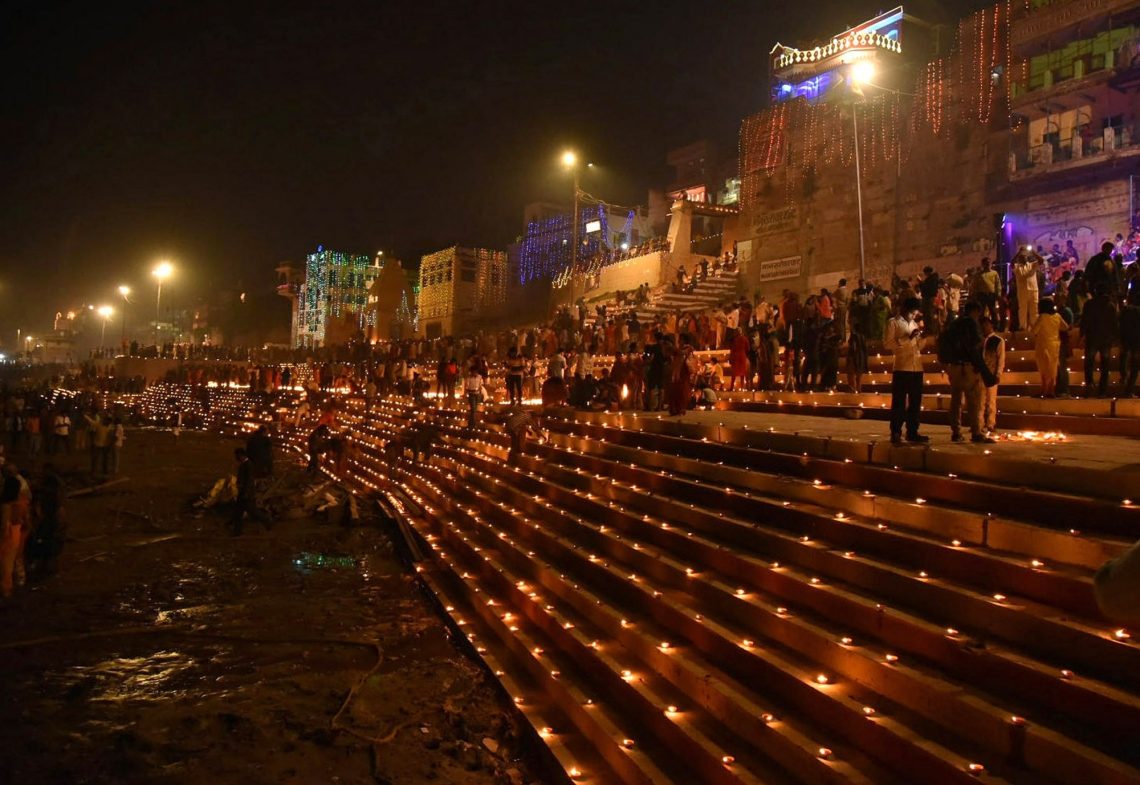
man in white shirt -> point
(61, 430)
(1025, 266)
(903, 338)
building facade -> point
(329, 296)
(459, 288)
(902, 143)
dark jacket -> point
(245, 490)
(965, 344)
(1130, 327)
(1099, 321)
(259, 447)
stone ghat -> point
(666, 609)
(660, 616)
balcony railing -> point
(1050, 22)
(1056, 155)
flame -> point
(1038, 436)
(624, 391)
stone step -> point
(689, 577)
(660, 532)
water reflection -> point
(307, 562)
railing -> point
(1043, 157)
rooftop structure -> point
(888, 43)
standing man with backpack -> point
(960, 352)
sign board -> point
(744, 254)
(777, 221)
(593, 226)
(775, 269)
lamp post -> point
(570, 161)
(861, 73)
(104, 311)
(124, 290)
(161, 272)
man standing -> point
(928, 287)
(960, 349)
(1025, 266)
(1101, 269)
(840, 300)
(259, 448)
(993, 352)
(903, 335)
(246, 502)
(100, 443)
(61, 432)
(46, 543)
(1098, 327)
(1130, 343)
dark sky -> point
(229, 136)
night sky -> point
(230, 136)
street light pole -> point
(161, 273)
(574, 239)
(859, 193)
(124, 291)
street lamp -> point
(124, 291)
(161, 272)
(570, 162)
(861, 73)
(105, 311)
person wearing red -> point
(738, 360)
(682, 369)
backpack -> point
(947, 345)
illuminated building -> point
(459, 287)
(331, 299)
(892, 44)
(882, 153)
(544, 252)
(1074, 148)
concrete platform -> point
(1105, 466)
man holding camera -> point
(904, 338)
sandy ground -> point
(166, 651)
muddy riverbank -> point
(166, 651)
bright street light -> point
(569, 159)
(125, 291)
(863, 71)
(105, 311)
(161, 272)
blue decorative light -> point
(545, 249)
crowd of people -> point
(47, 431)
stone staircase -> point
(714, 291)
(667, 604)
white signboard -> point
(775, 269)
(593, 226)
